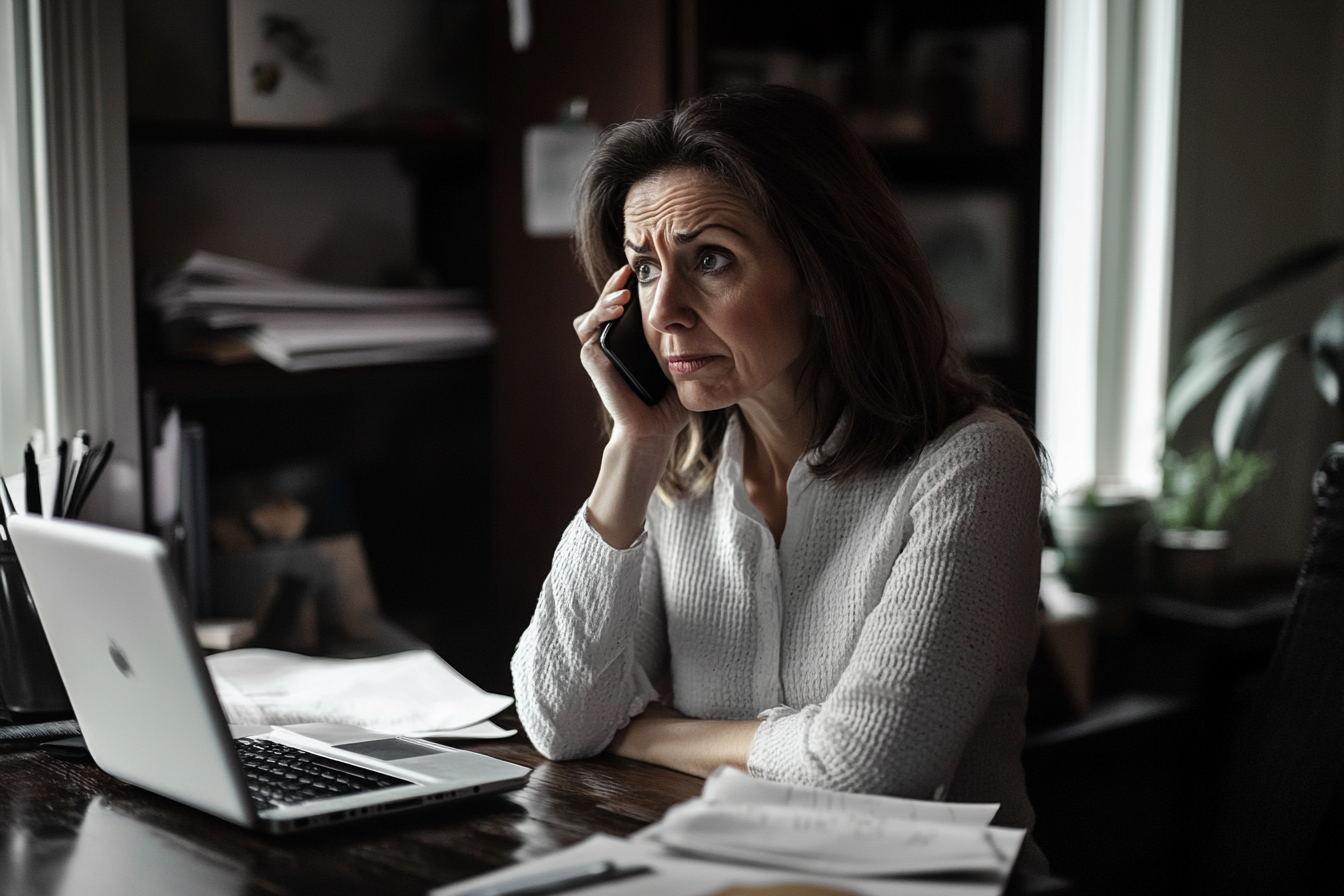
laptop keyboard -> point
(280, 775)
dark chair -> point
(1277, 828)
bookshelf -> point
(400, 199)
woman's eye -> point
(644, 272)
(713, 262)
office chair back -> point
(1285, 770)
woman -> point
(817, 557)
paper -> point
(233, 309)
(479, 731)
(744, 819)
(298, 333)
(675, 875)
(729, 786)
(414, 693)
(207, 281)
(836, 843)
(553, 160)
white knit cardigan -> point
(885, 643)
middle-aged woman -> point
(817, 558)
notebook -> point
(127, 653)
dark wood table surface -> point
(70, 828)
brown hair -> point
(880, 355)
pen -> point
(561, 880)
(79, 449)
(32, 488)
(89, 473)
(6, 502)
(62, 471)
(6, 508)
(79, 480)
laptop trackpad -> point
(390, 749)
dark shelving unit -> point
(411, 442)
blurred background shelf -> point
(440, 136)
(185, 380)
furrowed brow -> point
(689, 237)
(633, 248)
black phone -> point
(623, 341)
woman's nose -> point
(667, 309)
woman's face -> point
(723, 308)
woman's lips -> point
(687, 363)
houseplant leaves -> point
(1326, 347)
(1246, 400)
(1218, 350)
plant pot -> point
(1190, 563)
(1099, 543)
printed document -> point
(680, 875)
(738, 818)
(413, 693)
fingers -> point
(610, 305)
(617, 280)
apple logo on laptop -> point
(119, 659)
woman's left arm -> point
(663, 736)
(956, 627)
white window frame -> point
(1107, 197)
(21, 343)
(66, 297)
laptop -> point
(138, 683)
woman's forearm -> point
(693, 746)
(629, 473)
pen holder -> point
(29, 682)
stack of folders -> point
(225, 309)
(760, 835)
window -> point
(67, 317)
(1109, 148)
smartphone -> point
(623, 341)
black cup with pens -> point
(29, 681)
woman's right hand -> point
(631, 417)
(642, 436)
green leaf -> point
(1221, 348)
(1241, 472)
(1198, 492)
(1327, 351)
(1243, 407)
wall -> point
(1259, 172)
(547, 439)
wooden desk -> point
(63, 823)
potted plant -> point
(1097, 534)
(1242, 343)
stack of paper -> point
(738, 818)
(744, 832)
(414, 693)
(226, 309)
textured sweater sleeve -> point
(588, 661)
(955, 625)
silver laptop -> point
(139, 687)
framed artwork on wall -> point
(969, 242)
